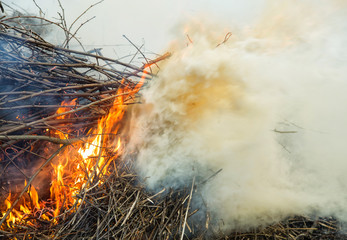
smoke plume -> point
(266, 107)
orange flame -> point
(25, 209)
(79, 165)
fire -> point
(77, 167)
(25, 209)
(61, 110)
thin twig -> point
(36, 137)
(188, 204)
(131, 209)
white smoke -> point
(266, 107)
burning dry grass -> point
(116, 209)
(52, 100)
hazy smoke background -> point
(267, 107)
(150, 22)
(211, 108)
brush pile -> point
(36, 79)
